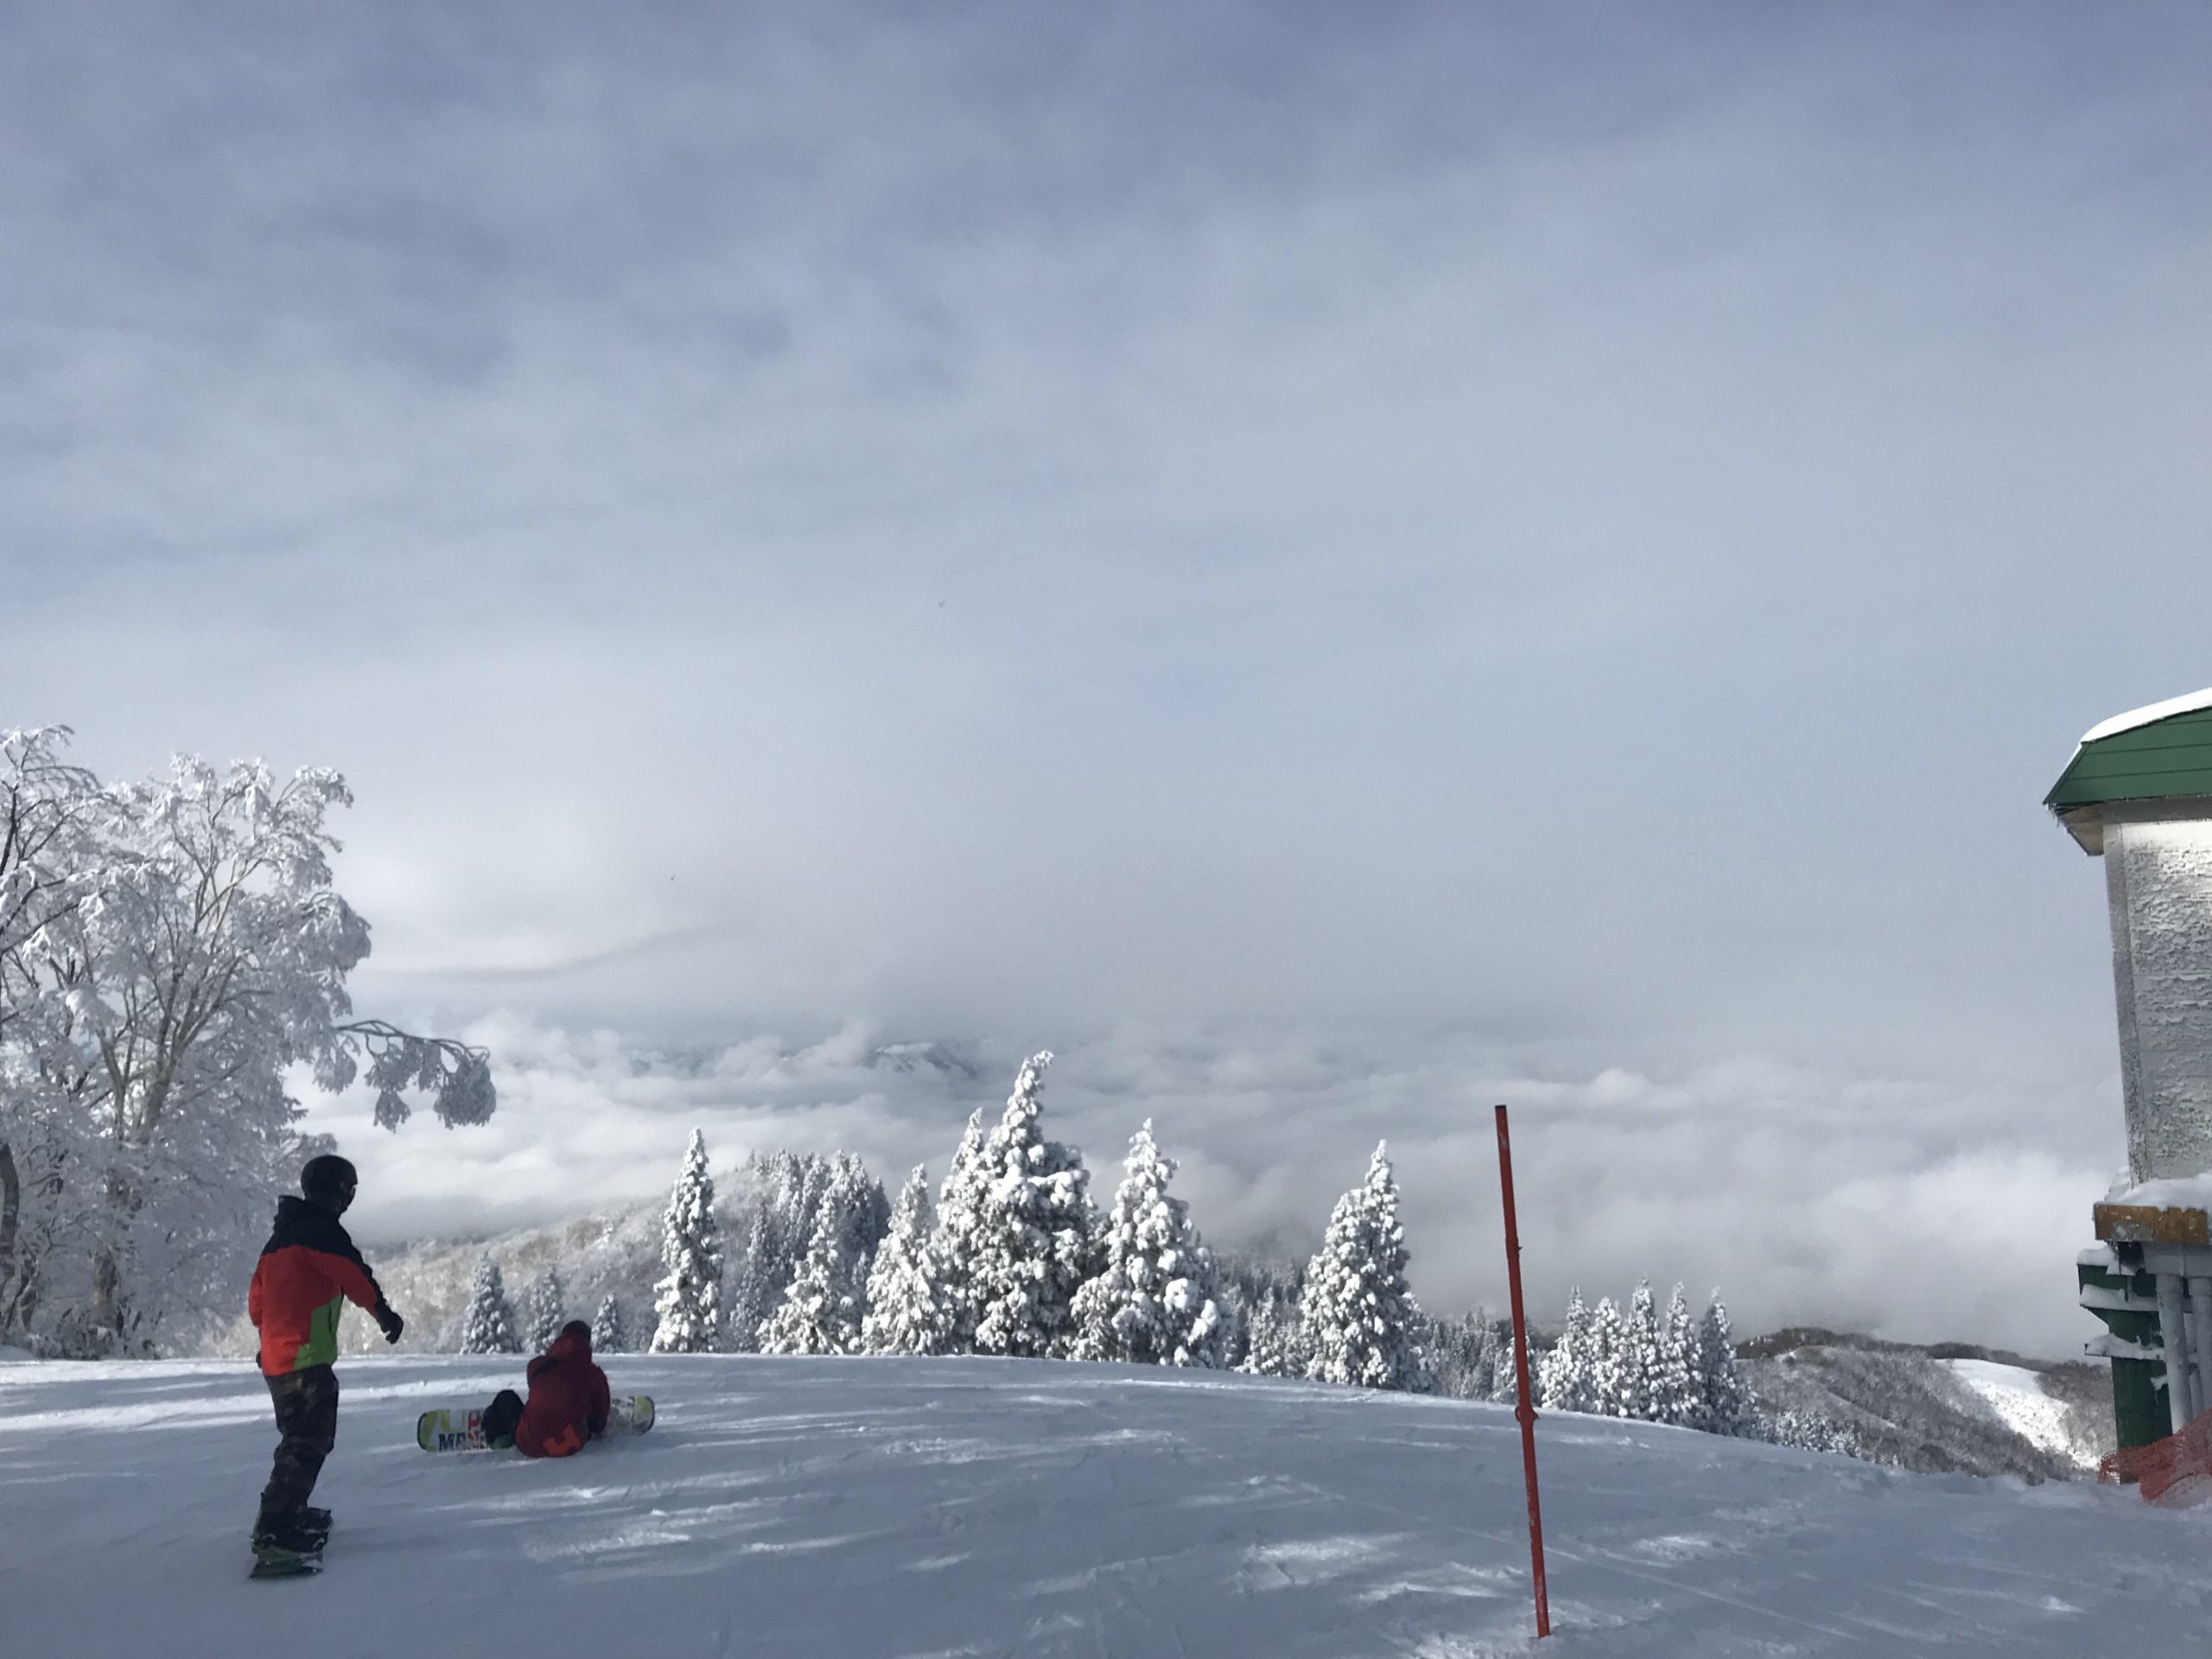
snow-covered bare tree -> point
(688, 1299)
(544, 1310)
(610, 1334)
(192, 957)
(1567, 1380)
(1033, 1245)
(50, 867)
(1360, 1323)
(1155, 1300)
(903, 1313)
(1727, 1406)
(822, 1311)
(488, 1327)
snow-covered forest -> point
(1009, 1255)
(173, 965)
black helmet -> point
(329, 1179)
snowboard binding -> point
(291, 1548)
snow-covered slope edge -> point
(857, 1508)
(2016, 1397)
(1919, 1407)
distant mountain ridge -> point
(1940, 1407)
(950, 1059)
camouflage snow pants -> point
(307, 1427)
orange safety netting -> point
(2174, 1472)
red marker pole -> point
(1525, 1410)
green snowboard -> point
(272, 1561)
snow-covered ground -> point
(2015, 1397)
(912, 1508)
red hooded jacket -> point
(567, 1402)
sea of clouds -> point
(1904, 1208)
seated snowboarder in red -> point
(569, 1402)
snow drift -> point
(898, 1507)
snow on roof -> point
(2151, 713)
(2170, 1192)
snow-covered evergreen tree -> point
(1504, 1378)
(822, 1311)
(788, 1191)
(959, 1232)
(757, 1286)
(1033, 1243)
(488, 1327)
(1360, 1321)
(1638, 1370)
(1567, 1380)
(688, 1299)
(1641, 1366)
(1155, 1300)
(1271, 1346)
(610, 1334)
(871, 1215)
(1609, 1390)
(1725, 1402)
(1674, 1394)
(903, 1313)
(544, 1310)
(1811, 1431)
(1472, 1357)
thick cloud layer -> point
(1571, 540)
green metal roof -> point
(2152, 755)
(2169, 757)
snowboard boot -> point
(287, 1544)
(315, 1524)
(500, 1419)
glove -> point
(389, 1322)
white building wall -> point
(2158, 878)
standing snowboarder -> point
(309, 1270)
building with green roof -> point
(2138, 793)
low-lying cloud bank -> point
(1914, 1208)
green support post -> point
(2139, 1408)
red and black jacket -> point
(309, 1270)
(568, 1401)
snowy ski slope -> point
(2015, 1397)
(881, 1507)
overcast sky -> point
(1332, 564)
